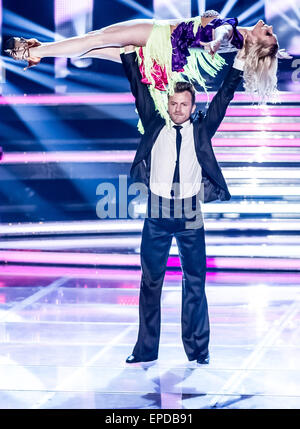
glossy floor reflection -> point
(64, 341)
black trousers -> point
(156, 242)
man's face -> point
(180, 107)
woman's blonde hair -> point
(260, 70)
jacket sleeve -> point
(217, 108)
(143, 100)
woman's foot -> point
(19, 49)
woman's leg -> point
(111, 54)
(134, 32)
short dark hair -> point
(186, 86)
(8, 45)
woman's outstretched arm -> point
(221, 34)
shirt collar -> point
(185, 124)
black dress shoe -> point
(133, 359)
(203, 360)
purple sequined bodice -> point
(183, 38)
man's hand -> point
(221, 33)
(129, 48)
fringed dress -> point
(169, 57)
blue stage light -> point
(72, 19)
(136, 6)
(24, 27)
(227, 8)
(163, 9)
(251, 10)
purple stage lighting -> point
(124, 98)
(2, 69)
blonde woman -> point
(168, 49)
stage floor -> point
(65, 335)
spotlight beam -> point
(243, 16)
(22, 23)
(290, 21)
(201, 6)
(297, 11)
(32, 75)
(17, 188)
(227, 8)
(134, 5)
(173, 10)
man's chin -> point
(179, 121)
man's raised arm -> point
(143, 100)
(217, 108)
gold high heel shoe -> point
(18, 48)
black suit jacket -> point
(215, 187)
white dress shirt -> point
(163, 160)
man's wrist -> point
(127, 50)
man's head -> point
(181, 104)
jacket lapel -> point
(147, 141)
(206, 157)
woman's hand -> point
(212, 47)
(283, 55)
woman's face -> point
(264, 32)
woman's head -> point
(263, 33)
(260, 72)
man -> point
(177, 164)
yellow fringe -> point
(159, 49)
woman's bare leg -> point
(134, 32)
(111, 54)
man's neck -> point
(183, 124)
